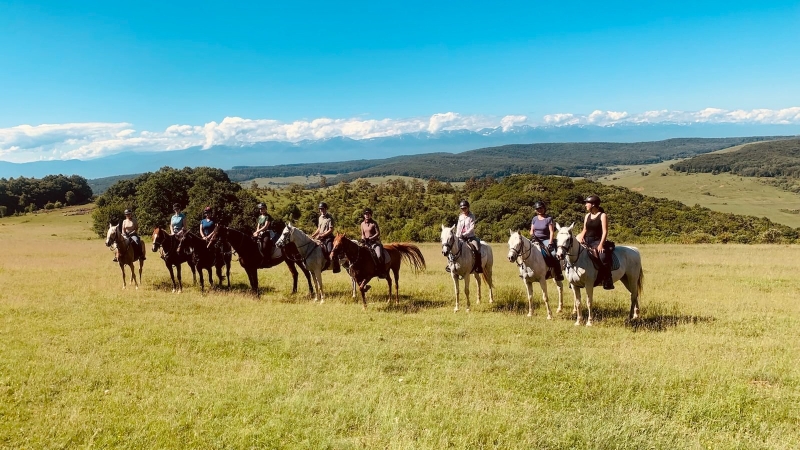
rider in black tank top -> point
(594, 230)
(594, 235)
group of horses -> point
(298, 250)
(582, 271)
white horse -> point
(311, 252)
(532, 267)
(581, 272)
(125, 257)
(460, 261)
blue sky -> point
(151, 65)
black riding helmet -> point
(463, 204)
(593, 199)
(261, 205)
(323, 205)
(128, 212)
(367, 211)
(176, 206)
(539, 204)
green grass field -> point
(723, 192)
(712, 363)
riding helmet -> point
(261, 205)
(207, 209)
(367, 211)
(593, 199)
(127, 212)
(539, 204)
(463, 204)
(176, 205)
(323, 205)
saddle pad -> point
(614, 262)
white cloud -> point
(90, 140)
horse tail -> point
(640, 283)
(409, 252)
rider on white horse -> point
(324, 234)
(544, 231)
(465, 230)
(594, 234)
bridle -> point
(451, 241)
(520, 248)
(286, 238)
(566, 248)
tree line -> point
(588, 159)
(763, 159)
(19, 195)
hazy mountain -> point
(341, 149)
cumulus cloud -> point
(90, 140)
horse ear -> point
(570, 227)
(443, 227)
(558, 227)
(510, 232)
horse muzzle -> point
(511, 257)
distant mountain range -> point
(342, 149)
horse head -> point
(157, 239)
(286, 235)
(338, 247)
(514, 245)
(448, 239)
(111, 235)
(564, 240)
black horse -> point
(172, 257)
(206, 257)
(251, 260)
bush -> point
(49, 206)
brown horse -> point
(363, 267)
(168, 245)
(125, 253)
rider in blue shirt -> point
(177, 223)
(208, 224)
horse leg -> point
(172, 275)
(633, 287)
(577, 293)
(466, 290)
(560, 289)
(478, 282)
(180, 281)
(202, 280)
(455, 285)
(194, 273)
(124, 281)
(487, 276)
(133, 275)
(589, 294)
(396, 286)
(293, 271)
(228, 272)
(219, 275)
(529, 291)
(252, 276)
(543, 284)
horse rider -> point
(543, 231)
(371, 238)
(324, 234)
(208, 224)
(177, 223)
(263, 235)
(130, 230)
(465, 230)
(594, 234)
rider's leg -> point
(476, 245)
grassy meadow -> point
(83, 364)
(724, 192)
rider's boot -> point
(559, 275)
(608, 281)
(335, 265)
(116, 256)
(478, 268)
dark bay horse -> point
(363, 268)
(205, 256)
(168, 245)
(250, 258)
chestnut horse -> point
(168, 245)
(363, 267)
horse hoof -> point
(588, 323)
(173, 291)
(578, 323)
(549, 317)
(455, 310)
(530, 314)
(558, 310)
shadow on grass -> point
(408, 304)
(656, 320)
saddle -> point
(382, 264)
(602, 269)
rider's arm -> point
(583, 231)
(552, 232)
(377, 231)
(363, 232)
(532, 221)
(202, 235)
(469, 226)
(604, 222)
